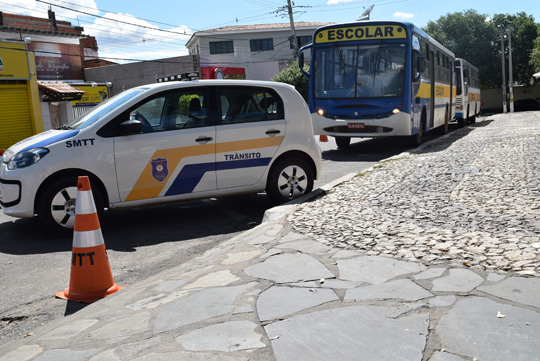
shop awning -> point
(55, 91)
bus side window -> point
(425, 51)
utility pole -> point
(503, 70)
(510, 77)
(295, 42)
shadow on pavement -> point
(125, 230)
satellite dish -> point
(368, 10)
(365, 14)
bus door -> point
(432, 89)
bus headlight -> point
(320, 112)
(26, 158)
(395, 111)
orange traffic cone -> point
(323, 138)
(91, 276)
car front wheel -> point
(57, 204)
(289, 179)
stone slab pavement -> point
(274, 293)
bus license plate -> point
(356, 125)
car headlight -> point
(26, 158)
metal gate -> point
(80, 110)
(15, 118)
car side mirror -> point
(130, 127)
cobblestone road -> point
(470, 198)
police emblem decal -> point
(159, 169)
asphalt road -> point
(141, 242)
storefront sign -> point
(57, 61)
(93, 95)
(13, 61)
(212, 72)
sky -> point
(130, 30)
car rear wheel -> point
(289, 179)
(56, 208)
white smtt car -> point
(167, 142)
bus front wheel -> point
(343, 142)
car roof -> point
(214, 82)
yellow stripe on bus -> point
(441, 91)
(474, 97)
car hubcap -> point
(63, 207)
(292, 182)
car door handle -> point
(273, 132)
(204, 139)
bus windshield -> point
(360, 71)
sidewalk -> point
(428, 256)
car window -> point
(103, 109)
(150, 114)
(182, 108)
(249, 104)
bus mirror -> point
(416, 65)
(301, 63)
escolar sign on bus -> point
(371, 32)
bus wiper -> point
(341, 60)
(63, 127)
(377, 59)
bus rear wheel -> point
(416, 139)
(444, 127)
(343, 142)
(472, 119)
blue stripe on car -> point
(56, 138)
(191, 174)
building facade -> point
(55, 52)
(262, 50)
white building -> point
(262, 50)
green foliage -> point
(477, 38)
(293, 76)
(535, 55)
(524, 35)
(469, 36)
(183, 103)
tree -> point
(524, 33)
(535, 55)
(473, 37)
(293, 76)
(477, 38)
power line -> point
(140, 60)
(118, 21)
(108, 11)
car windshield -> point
(103, 109)
(363, 71)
